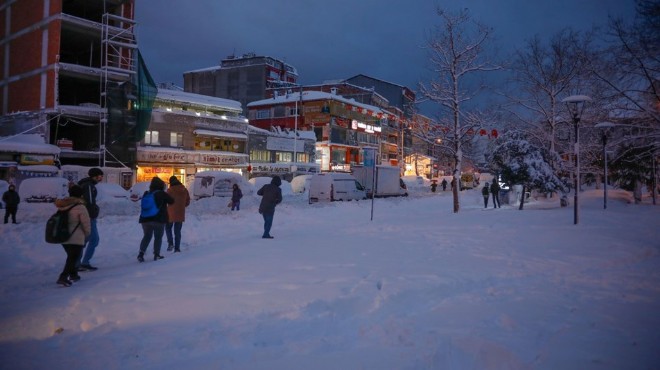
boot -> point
(140, 257)
(158, 257)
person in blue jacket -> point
(154, 226)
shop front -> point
(185, 163)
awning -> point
(234, 135)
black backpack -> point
(57, 227)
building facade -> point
(272, 152)
(62, 64)
(245, 78)
(342, 127)
(189, 133)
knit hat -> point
(93, 172)
(76, 191)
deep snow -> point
(419, 287)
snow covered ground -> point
(417, 287)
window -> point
(293, 111)
(259, 156)
(176, 139)
(151, 138)
(263, 113)
(283, 156)
(302, 157)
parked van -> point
(333, 186)
(388, 182)
(218, 184)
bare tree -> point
(456, 53)
(542, 75)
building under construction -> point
(71, 72)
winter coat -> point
(77, 215)
(177, 212)
(89, 195)
(494, 187)
(11, 198)
(161, 198)
(236, 195)
(271, 195)
(484, 191)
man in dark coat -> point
(495, 191)
(271, 195)
(11, 200)
(89, 195)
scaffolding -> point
(118, 66)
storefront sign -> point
(191, 158)
(32, 159)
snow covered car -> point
(300, 183)
(218, 184)
(258, 182)
(106, 192)
(43, 189)
(137, 190)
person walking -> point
(11, 200)
(88, 185)
(271, 196)
(79, 226)
(154, 226)
(485, 193)
(444, 184)
(495, 191)
(176, 213)
(236, 196)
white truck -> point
(334, 186)
(388, 182)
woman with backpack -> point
(153, 217)
(79, 229)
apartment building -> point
(68, 74)
(244, 78)
(189, 133)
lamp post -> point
(604, 126)
(575, 105)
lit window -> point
(151, 138)
(176, 139)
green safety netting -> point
(146, 94)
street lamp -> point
(575, 105)
(605, 126)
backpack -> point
(57, 227)
(148, 205)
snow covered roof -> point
(27, 143)
(312, 96)
(186, 97)
(303, 134)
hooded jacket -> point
(177, 212)
(77, 215)
(271, 195)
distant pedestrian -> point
(495, 191)
(271, 196)
(11, 200)
(154, 226)
(88, 185)
(444, 184)
(434, 185)
(236, 196)
(80, 227)
(176, 213)
(485, 193)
